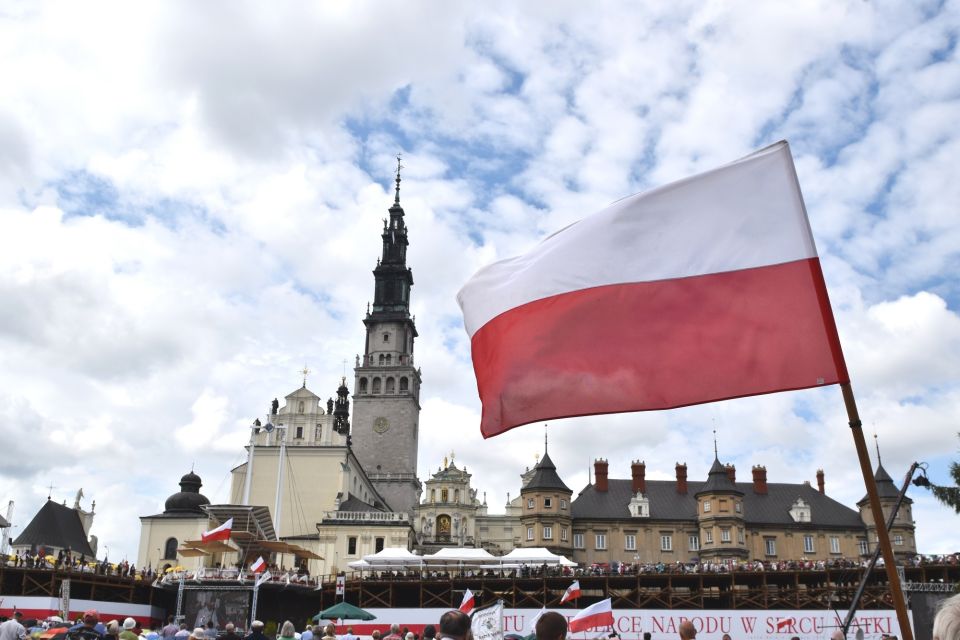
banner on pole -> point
(341, 585)
(487, 623)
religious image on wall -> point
(218, 607)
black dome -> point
(188, 499)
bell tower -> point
(386, 401)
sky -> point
(191, 196)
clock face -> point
(381, 424)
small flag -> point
(263, 578)
(572, 592)
(596, 615)
(469, 602)
(259, 565)
(533, 622)
(220, 533)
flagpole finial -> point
(715, 454)
(876, 442)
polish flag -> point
(596, 615)
(469, 602)
(572, 592)
(705, 289)
(259, 565)
(220, 533)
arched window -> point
(386, 337)
(390, 385)
(376, 385)
(388, 359)
(381, 359)
(170, 549)
(404, 385)
(363, 385)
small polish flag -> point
(572, 592)
(469, 602)
(264, 577)
(259, 565)
(220, 533)
(596, 615)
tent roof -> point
(394, 556)
(458, 554)
(535, 555)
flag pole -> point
(856, 427)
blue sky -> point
(191, 197)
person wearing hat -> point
(198, 634)
(128, 632)
(113, 631)
(89, 629)
(12, 629)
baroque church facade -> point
(343, 486)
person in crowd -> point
(113, 631)
(375, 634)
(726, 636)
(89, 629)
(199, 633)
(551, 626)
(183, 633)
(394, 633)
(837, 635)
(687, 630)
(307, 633)
(409, 636)
(330, 632)
(647, 635)
(230, 632)
(170, 629)
(256, 631)
(129, 633)
(12, 629)
(429, 632)
(287, 631)
(210, 631)
(454, 624)
(946, 624)
(347, 636)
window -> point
(708, 536)
(378, 545)
(898, 540)
(389, 358)
(740, 536)
(724, 535)
(563, 534)
(433, 495)
(170, 549)
(531, 503)
(376, 385)
(694, 542)
(444, 495)
(600, 541)
(834, 544)
(529, 533)
(386, 337)
(706, 506)
(808, 544)
(381, 359)
(863, 547)
(563, 503)
(363, 385)
(738, 507)
(404, 385)
(547, 503)
(299, 435)
(391, 385)
(352, 546)
(666, 543)
(770, 545)
(578, 541)
(630, 542)
(548, 533)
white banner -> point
(341, 585)
(487, 623)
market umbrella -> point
(344, 611)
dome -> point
(188, 499)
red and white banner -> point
(469, 602)
(259, 565)
(705, 289)
(220, 533)
(572, 592)
(599, 614)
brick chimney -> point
(820, 482)
(682, 478)
(600, 471)
(731, 473)
(639, 472)
(760, 480)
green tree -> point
(949, 496)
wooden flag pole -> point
(856, 427)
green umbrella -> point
(344, 611)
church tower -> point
(386, 401)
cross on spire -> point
(396, 198)
(50, 491)
(305, 372)
(876, 442)
(544, 438)
(715, 454)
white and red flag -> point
(469, 602)
(220, 533)
(705, 289)
(572, 592)
(259, 565)
(596, 615)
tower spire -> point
(715, 454)
(544, 438)
(396, 197)
(876, 442)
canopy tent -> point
(394, 557)
(536, 555)
(461, 557)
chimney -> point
(639, 473)
(731, 473)
(682, 478)
(600, 471)
(760, 480)
(820, 480)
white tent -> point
(394, 557)
(461, 557)
(536, 556)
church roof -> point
(885, 487)
(667, 504)
(718, 481)
(451, 472)
(355, 504)
(545, 476)
(56, 525)
(189, 500)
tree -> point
(949, 496)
